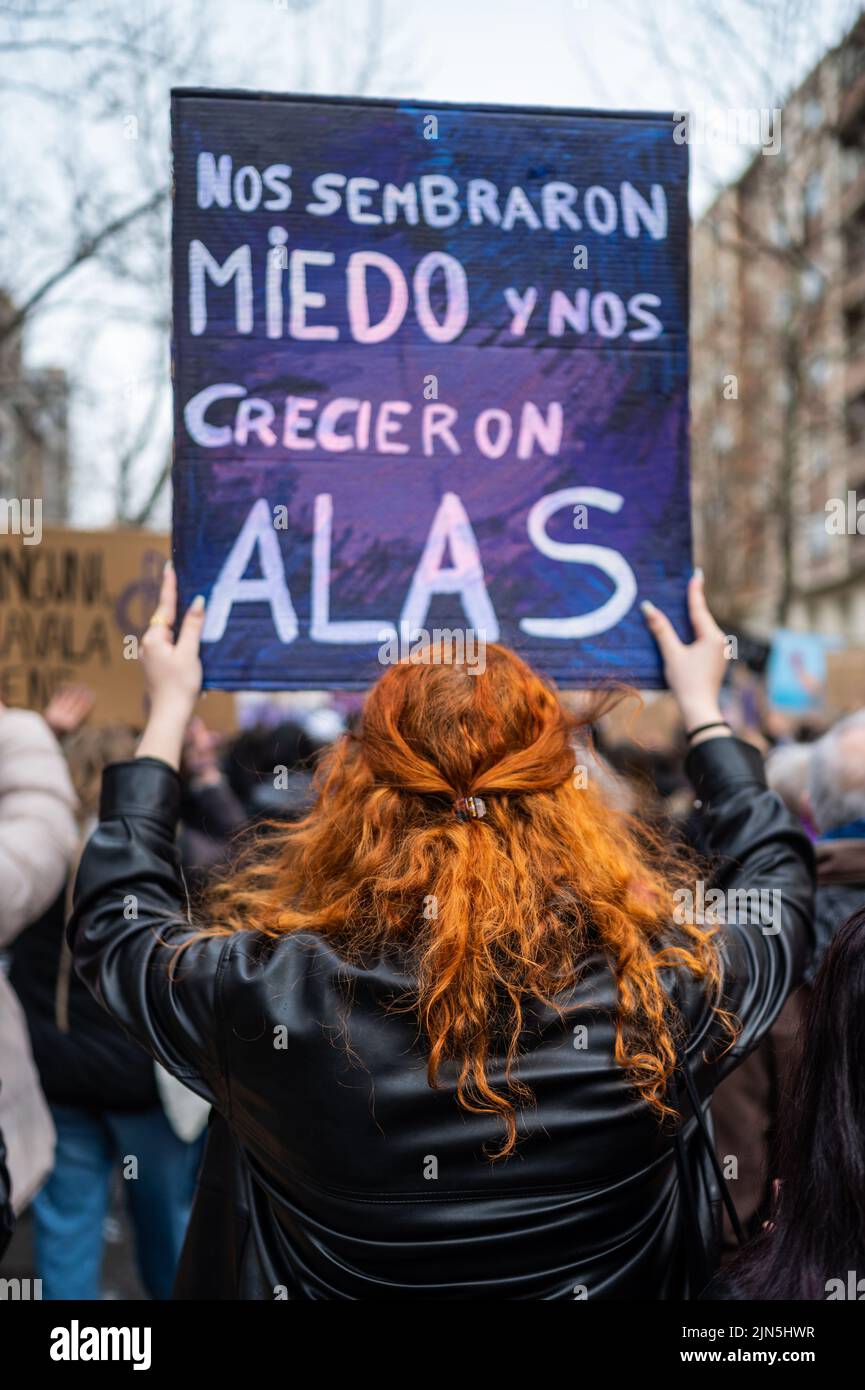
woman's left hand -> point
(172, 673)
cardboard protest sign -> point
(72, 606)
(845, 679)
(430, 373)
(655, 726)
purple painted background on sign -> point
(606, 343)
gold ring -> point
(159, 620)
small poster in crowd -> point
(796, 673)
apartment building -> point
(778, 368)
(34, 437)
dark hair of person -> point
(817, 1228)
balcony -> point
(854, 376)
(853, 289)
(853, 198)
(855, 480)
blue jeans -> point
(69, 1213)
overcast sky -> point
(614, 54)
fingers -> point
(69, 706)
(189, 637)
(81, 698)
(703, 623)
(166, 608)
(661, 628)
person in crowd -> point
(747, 1104)
(835, 803)
(813, 1245)
(7, 1211)
(787, 770)
(211, 813)
(270, 770)
(110, 1106)
(458, 1025)
(38, 840)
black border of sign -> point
(178, 94)
(243, 94)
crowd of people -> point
(420, 1010)
(79, 1100)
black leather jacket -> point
(332, 1170)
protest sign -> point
(845, 680)
(73, 605)
(430, 368)
(655, 725)
(796, 671)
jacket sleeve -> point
(38, 833)
(763, 876)
(130, 917)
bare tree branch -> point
(84, 252)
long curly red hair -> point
(493, 912)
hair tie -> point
(469, 808)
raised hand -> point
(172, 672)
(694, 670)
(68, 708)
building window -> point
(779, 231)
(782, 307)
(811, 282)
(852, 63)
(812, 114)
(813, 194)
(817, 537)
(856, 420)
(857, 540)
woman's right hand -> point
(694, 670)
(172, 673)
